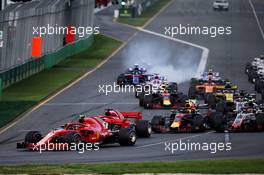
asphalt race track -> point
(228, 55)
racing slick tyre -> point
(136, 94)
(127, 137)
(247, 68)
(193, 82)
(148, 102)
(33, 137)
(120, 79)
(210, 99)
(220, 107)
(217, 122)
(252, 77)
(156, 123)
(174, 87)
(182, 98)
(141, 99)
(198, 123)
(262, 94)
(143, 128)
(192, 92)
(257, 85)
(260, 122)
(72, 137)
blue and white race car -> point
(133, 76)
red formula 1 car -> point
(115, 127)
(117, 120)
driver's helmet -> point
(157, 77)
(210, 72)
(251, 103)
(107, 113)
(136, 67)
(81, 118)
(228, 84)
(189, 111)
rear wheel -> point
(120, 79)
(143, 128)
(127, 137)
(155, 123)
(141, 99)
(192, 92)
(198, 123)
(174, 87)
(217, 122)
(260, 122)
(148, 101)
(210, 99)
(247, 68)
(33, 137)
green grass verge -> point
(199, 166)
(21, 96)
(146, 15)
(100, 49)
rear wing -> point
(136, 115)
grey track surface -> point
(228, 55)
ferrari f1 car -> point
(186, 119)
(133, 76)
(114, 127)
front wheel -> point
(33, 137)
(143, 128)
(127, 137)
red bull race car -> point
(187, 119)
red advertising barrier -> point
(36, 47)
(70, 36)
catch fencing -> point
(17, 22)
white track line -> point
(178, 139)
(204, 57)
(255, 14)
(84, 104)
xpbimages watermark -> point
(212, 148)
(115, 88)
(212, 31)
(79, 147)
(63, 30)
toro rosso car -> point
(133, 76)
(114, 127)
(187, 119)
